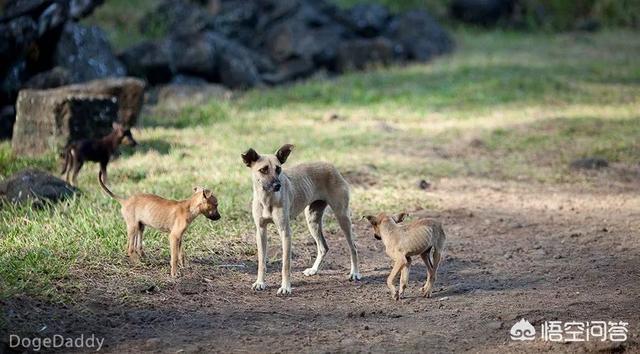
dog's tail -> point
(106, 190)
(67, 159)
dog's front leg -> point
(175, 240)
(282, 223)
(261, 241)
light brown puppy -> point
(141, 210)
(421, 237)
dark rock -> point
(7, 118)
(176, 17)
(295, 39)
(55, 77)
(53, 17)
(357, 54)
(14, 77)
(290, 70)
(423, 184)
(149, 60)
(481, 12)
(82, 8)
(86, 53)
(35, 185)
(420, 36)
(47, 120)
(16, 8)
(590, 163)
(196, 54)
(236, 70)
(236, 19)
(15, 37)
(368, 20)
(187, 80)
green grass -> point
(531, 102)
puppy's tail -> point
(106, 190)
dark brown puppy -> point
(170, 216)
(96, 150)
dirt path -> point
(514, 251)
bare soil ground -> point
(515, 250)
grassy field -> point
(504, 106)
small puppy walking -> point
(421, 237)
(141, 210)
(279, 196)
(96, 150)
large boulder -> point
(86, 53)
(176, 17)
(53, 78)
(368, 20)
(127, 92)
(419, 35)
(295, 39)
(218, 59)
(38, 186)
(7, 118)
(47, 120)
(290, 70)
(358, 54)
(196, 54)
(149, 60)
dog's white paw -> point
(284, 290)
(354, 276)
(258, 286)
(310, 271)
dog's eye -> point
(264, 170)
(278, 169)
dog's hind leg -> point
(138, 242)
(77, 165)
(344, 219)
(404, 277)
(314, 213)
(432, 268)
(132, 234)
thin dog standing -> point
(279, 196)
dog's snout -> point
(214, 216)
(277, 186)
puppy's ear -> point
(372, 219)
(116, 125)
(196, 189)
(399, 217)
(206, 193)
(249, 157)
(283, 153)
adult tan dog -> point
(141, 210)
(279, 196)
(423, 237)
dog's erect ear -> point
(116, 125)
(196, 189)
(283, 153)
(206, 193)
(399, 217)
(372, 219)
(250, 156)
